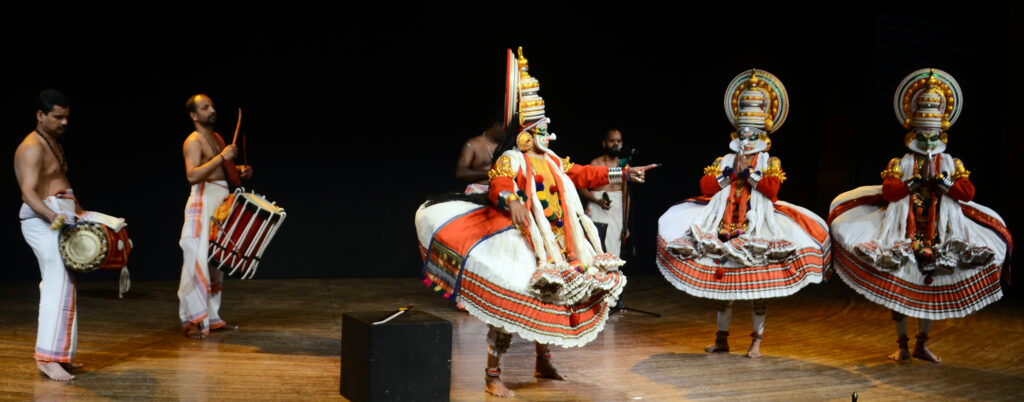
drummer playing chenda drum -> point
(209, 168)
(41, 168)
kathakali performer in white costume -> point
(529, 263)
(917, 244)
(738, 241)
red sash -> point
(229, 165)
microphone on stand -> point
(628, 154)
(625, 153)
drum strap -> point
(229, 166)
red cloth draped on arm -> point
(498, 185)
(769, 187)
(586, 176)
(709, 185)
(894, 189)
(962, 190)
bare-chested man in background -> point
(209, 168)
(475, 159)
(41, 168)
(608, 203)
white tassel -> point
(124, 283)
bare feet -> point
(225, 327)
(494, 386)
(194, 332)
(716, 347)
(55, 371)
(721, 343)
(72, 366)
(900, 354)
(755, 349)
(922, 352)
(544, 369)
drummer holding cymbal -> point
(209, 168)
(41, 168)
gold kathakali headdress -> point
(756, 99)
(522, 103)
(928, 98)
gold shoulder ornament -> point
(566, 165)
(715, 169)
(892, 170)
(959, 172)
(774, 169)
(502, 168)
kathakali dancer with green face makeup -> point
(917, 244)
(527, 260)
(738, 241)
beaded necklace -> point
(60, 156)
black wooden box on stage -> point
(408, 358)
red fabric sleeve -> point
(769, 187)
(499, 184)
(894, 189)
(962, 190)
(587, 176)
(709, 185)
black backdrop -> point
(352, 120)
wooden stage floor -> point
(822, 344)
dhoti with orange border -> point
(57, 336)
(199, 291)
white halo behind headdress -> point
(511, 89)
(928, 98)
(757, 99)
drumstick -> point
(395, 314)
(237, 126)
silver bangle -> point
(723, 181)
(754, 177)
(945, 184)
(615, 175)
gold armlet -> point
(566, 165)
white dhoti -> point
(57, 336)
(476, 188)
(199, 290)
(611, 217)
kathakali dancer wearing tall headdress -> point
(530, 261)
(917, 244)
(738, 241)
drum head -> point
(83, 247)
(261, 202)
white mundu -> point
(57, 336)
(199, 289)
(611, 217)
